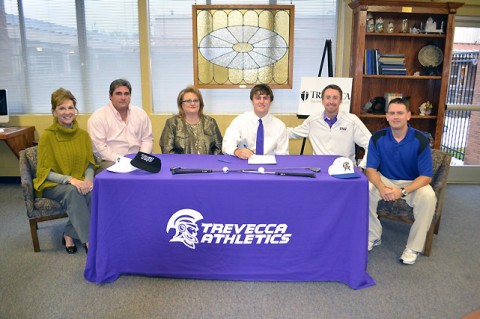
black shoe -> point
(69, 249)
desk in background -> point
(248, 226)
(18, 137)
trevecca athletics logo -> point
(185, 224)
(185, 221)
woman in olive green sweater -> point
(65, 168)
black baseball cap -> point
(147, 162)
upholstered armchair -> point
(38, 209)
(400, 211)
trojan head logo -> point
(185, 224)
(346, 166)
(304, 95)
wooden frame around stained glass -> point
(239, 46)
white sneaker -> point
(375, 243)
(409, 256)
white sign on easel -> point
(310, 99)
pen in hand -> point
(244, 152)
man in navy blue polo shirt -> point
(399, 165)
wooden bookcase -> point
(420, 88)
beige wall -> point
(9, 163)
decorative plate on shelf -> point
(430, 56)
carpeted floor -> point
(50, 284)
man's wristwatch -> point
(404, 192)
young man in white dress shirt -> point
(119, 128)
(333, 131)
(241, 136)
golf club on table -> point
(261, 170)
(181, 170)
(313, 169)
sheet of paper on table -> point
(262, 159)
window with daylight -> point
(172, 55)
(79, 45)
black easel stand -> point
(327, 50)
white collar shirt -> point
(242, 132)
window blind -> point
(79, 45)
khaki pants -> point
(423, 202)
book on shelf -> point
(376, 63)
(392, 64)
(366, 63)
(370, 65)
(393, 55)
(394, 72)
(393, 69)
(392, 60)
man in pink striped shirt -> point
(119, 128)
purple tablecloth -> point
(234, 226)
